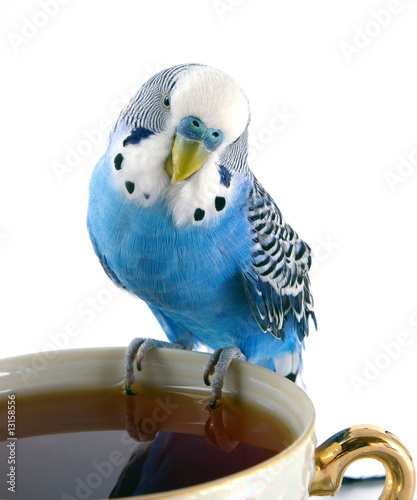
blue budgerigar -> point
(177, 218)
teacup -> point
(29, 385)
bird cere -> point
(177, 218)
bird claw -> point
(211, 365)
(218, 365)
(129, 391)
(139, 348)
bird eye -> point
(166, 103)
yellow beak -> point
(187, 157)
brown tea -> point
(104, 444)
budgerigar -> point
(177, 218)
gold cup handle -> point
(364, 441)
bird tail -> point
(289, 364)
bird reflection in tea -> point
(174, 460)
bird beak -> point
(187, 157)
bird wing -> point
(277, 284)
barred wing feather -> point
(277, 284)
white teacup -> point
(294, 474)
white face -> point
(200, 199)
(213, 97)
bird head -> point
(202, 112)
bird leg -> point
(138, 349)
(218, 364)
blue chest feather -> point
(177, 268)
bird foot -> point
(138, 349)
(218, 365)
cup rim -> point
(9, 368)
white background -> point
(344, 76)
